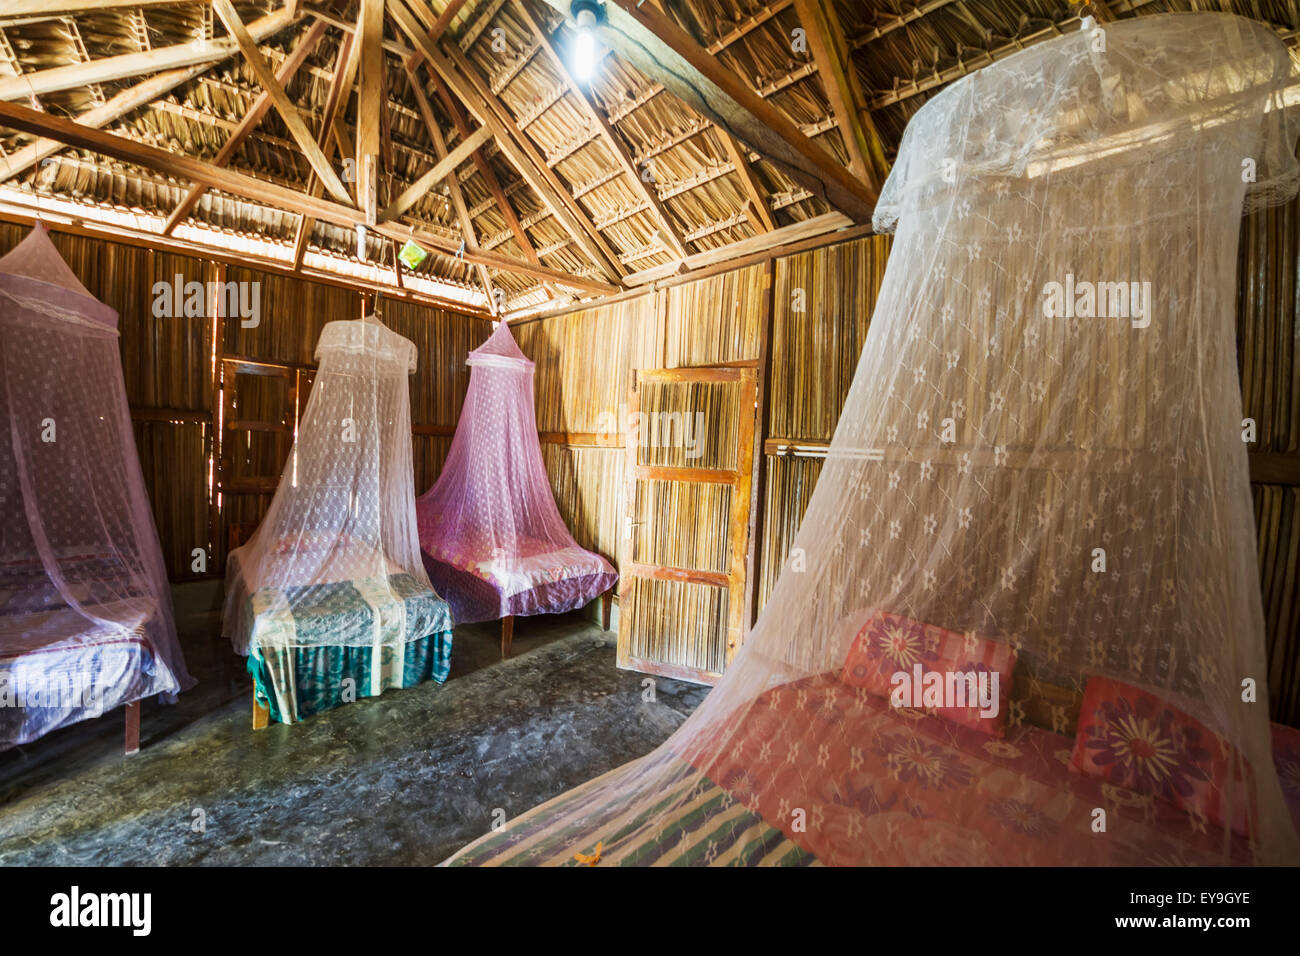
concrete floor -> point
(407, 778)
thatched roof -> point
(605, 185)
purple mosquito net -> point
(85, 613)
(493, 540)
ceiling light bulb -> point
(584, 48)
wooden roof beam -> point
(283, 105)
(753, 190)
(370, 36)
(664, 52)
(141, 94)
(129, 65)
(168, 163)
(345, 71)
(840, 81)
(467, 233)
(250, 120)
(821, 225)
(500, 197)
(446, 166)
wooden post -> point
(507, 635)
(606, 605)
(132, 728)
(261, 715)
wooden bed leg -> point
(133, 728)
(507, 635)
(261, 715)
(606, 605)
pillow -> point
(890, 644)
(1132, 738)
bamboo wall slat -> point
(677, 621)
(174, 461)
(583, 362)
(1268, 326)
(712, 321)
(293, 313)
(822, 305)
(588, 486)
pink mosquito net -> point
(85, 613)
(1053, 495)
(493, 540)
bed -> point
(297, 672)
(60, 664)
(927, 792)
(485, 587)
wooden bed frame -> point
(508, 623)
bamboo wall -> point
(168, 368)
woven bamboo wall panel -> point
(1277, 514)
(710, 321)
(588, 486)
(705, 438)
(583, 359)
(443, 340)
(789, 487)
(822, 305)
(676, 622)
(293, 313)
(174, 461)
(1268, 327)
(664, 508)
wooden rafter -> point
(840, 80)
(821, 225)
(668, 231)
(345, 70)
(737, 156)
(141, 94)
(464, 81)
(500, 198)
(453, 184)
(250, 120)
(283, 105)
(168, 163)
(447, 165)
(129, 65)
(658, 47)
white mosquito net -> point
(336, 560)
(494, 542)
(85, 611)
(1054, 494)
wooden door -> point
(261, 404)
(690, 457)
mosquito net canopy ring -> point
(494, 542)
(85, 613)
(1029, 612)
(335, 563)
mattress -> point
(403, 637)
(878, 786)
(488, 587)
(58, 667)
